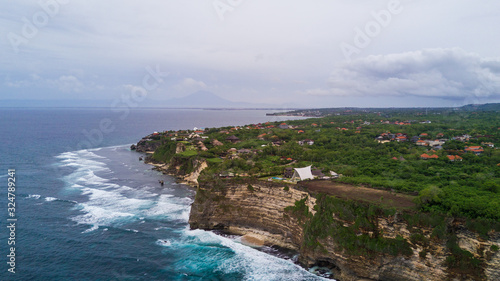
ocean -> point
(86, 208)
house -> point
(317, 173)
(261, 137)
(302, 174)
(334, 175)
(217, 143)
(300, 132)
(421, 143)
(288, 173)
(489, 144)
(462, 138)
(401, 138)
(226, 175)
(475, 149)
(415, 139)
(233, 139)
(283, 126)
(306, 141)
(434, 142)
(454, 158)
(426, 156)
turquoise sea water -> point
(88, 209)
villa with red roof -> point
(475, 149)
(454, 158)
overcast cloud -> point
(326, 53)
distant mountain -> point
(205, 99)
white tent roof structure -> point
(303, 173)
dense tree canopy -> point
(347, 143)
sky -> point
(323, 53)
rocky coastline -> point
(267, 213)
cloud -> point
(440, 73)
(67, 83)
(108, 44)
(189, 85)
(63, 83)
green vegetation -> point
(353, 226)
(165, 152)
(494, 248)
(299, 210)
(345, 141)
(462, 260)
(188, 153)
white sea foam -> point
(34, 196)
(172, 207)
(86, 165)
(94, 215)
(165, 243)
(254, 264)
(50, 199)
(95, 227)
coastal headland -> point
(371, 195)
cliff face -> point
(250, 208)
(185, 170)
(258, 208)
(176, 168)
(145, 145)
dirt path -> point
(359, 193)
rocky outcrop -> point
(199, 166)
(176, 168)
(259, 209)
(180, 148)
(146, 145)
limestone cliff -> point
(250, 208)
(176, 168)
(186, 170)
(393, 248)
